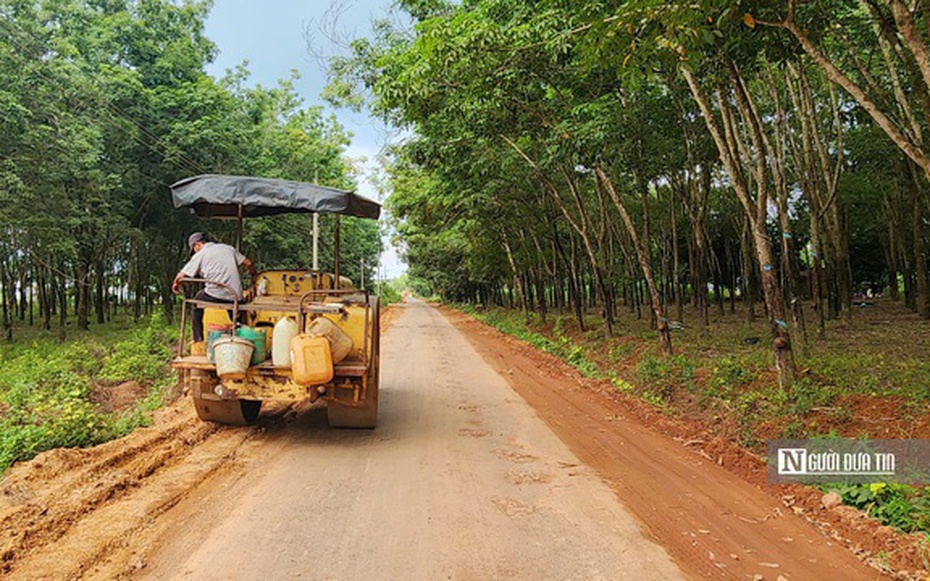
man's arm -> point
(248, 264)
(176, 285)
(189, 270)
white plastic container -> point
(232, 356)
(284, 332)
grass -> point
(47, 386)
(906, 508)
(661, 376)
(559, 345)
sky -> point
(272, 35)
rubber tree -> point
(467, 92)
(462, 75)
(104, 103)
(876, 51)
(711, 57)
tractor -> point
(306, 299)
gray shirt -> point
(220, 263)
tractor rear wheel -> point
(236, 412)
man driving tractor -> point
(217, 263)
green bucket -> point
(215, 332)
(258, 338)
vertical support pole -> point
(239, 231)
(183, 325)
(316, 230)
(316, 241)
(336, 252)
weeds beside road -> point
(60, 394)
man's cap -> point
(194, 239)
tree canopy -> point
(652, 154)
(103, 103)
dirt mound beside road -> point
(65, 513)
(85, 513)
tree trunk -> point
(4, 302)
(871, 107)
(23, 282)
(665, 337)
(755, 212)
(731, 266)
(100, 299)
(521, 295)
(62, 293)
(718, 288)
(891, 259)
(541, 294)
(817, 280)
(749, 295)
(584, 229)
(575, 295)
(922, 302)
(31, 300)
(675, 282)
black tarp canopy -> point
(217, 196)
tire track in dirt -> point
(63, 512)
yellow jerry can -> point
(312, 360)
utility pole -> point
(362, 272)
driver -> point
(217, 263)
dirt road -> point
(461, 480)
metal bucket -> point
(232, 356)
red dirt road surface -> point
(714, 523)
(490, 461)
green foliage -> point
(663, 375)
(622, 385)
(794, 430)
(727, 377)
(46, 388)
(753, 404)
(887, 375)
(512, 323)
(903, 507)
(576, 358)
(142, 355)
(621, 351)
(103, 104)
(388, 295)
(806, 394)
